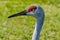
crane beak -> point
(18, 14)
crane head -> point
(31, 8)
(31, 11)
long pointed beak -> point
(18, 14)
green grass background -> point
(21, 27)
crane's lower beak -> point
(18, 14)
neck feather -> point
(39, 23)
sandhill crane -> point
(37, 12)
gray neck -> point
(39, 23)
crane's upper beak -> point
(18, 14)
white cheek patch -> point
(30, 13)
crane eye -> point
(33, 9)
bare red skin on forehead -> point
(31, 8)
